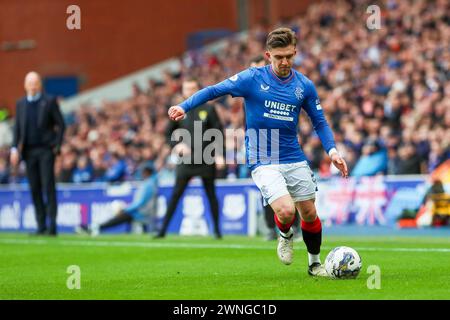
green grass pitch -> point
(138, 267)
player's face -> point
(282, 59)
(189, 88)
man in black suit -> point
(38, 134)
(191, 151)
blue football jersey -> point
(272, 109)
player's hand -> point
(340, 163)
(14, 158)
(176, 113)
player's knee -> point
(309, 214)
(285, 213)
(307, 211)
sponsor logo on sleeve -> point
(318, 106)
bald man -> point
(38, 134)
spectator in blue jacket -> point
(373, 160)
(83, 171)
(118, 169)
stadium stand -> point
(386, 95)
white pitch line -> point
(151, 244)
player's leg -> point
(273, 189)
(270, 222)
(210, 189)
(312, 235)
(302, 186)
(180, 185)
(284, 219)
(296, 225)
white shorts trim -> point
(311, 196)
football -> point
(343, 263)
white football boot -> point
(285, 248)
(317, 270)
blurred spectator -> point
(373, 160)
(441, 203)
(437, 155)
(4, 172)
(408, 160)
(83, 171)
(98, 169)
(6, 136)
(66, 164)
(117, 170)
(393, 161)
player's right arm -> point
(235, 86)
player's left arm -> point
(314, 110)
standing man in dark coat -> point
(38, 135)
(191, 152)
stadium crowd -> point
(385, 92)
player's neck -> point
(280, 76)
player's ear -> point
(268, 56)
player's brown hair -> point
(281, 38)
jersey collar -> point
(289, 78)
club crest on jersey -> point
(264, 87)
(299, 93)
(233, 78)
